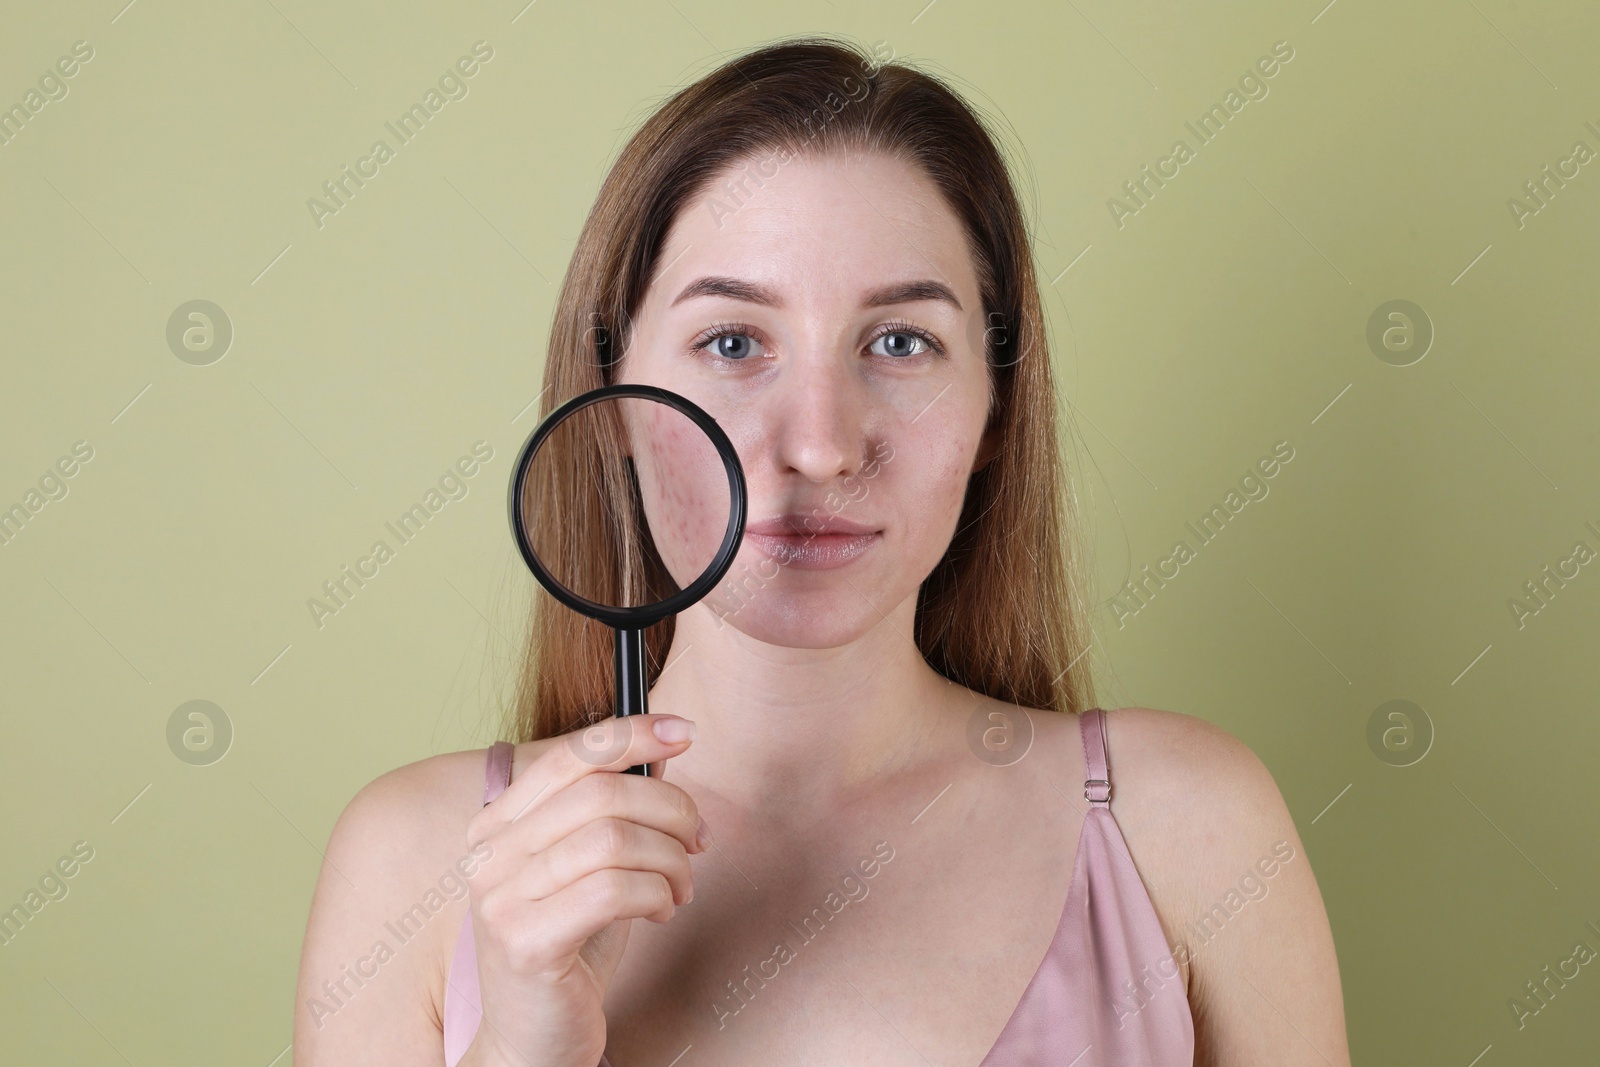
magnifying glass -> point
(628, 504)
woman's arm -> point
(560, 864)
(1206, 822)
(393, 870)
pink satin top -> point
(1107, 994)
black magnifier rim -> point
(634, 618)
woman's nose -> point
(820, 409)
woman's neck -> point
(797, 726)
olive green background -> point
(1229, 313)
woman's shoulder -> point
(394, 874)
(1217, 848)
(411, 817)
(1202, 816)
(423, 788)
(1156, 757)
(1189, 792)
(1172, 751)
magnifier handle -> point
(629, 659)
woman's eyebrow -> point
(732, 288)
(907, 292)
(896, 293)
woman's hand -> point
(579, 850)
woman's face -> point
(828, 319)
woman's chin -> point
(819, 619)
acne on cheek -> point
(935, 475)
(688, 490)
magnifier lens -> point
(626, 502)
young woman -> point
(885, 824)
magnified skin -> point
(580, 491)
(682, 483)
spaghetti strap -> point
(497, 770)
(1097, 775)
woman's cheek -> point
(935, 470)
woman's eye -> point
(737, 345)
(731, 345)
(900, 344)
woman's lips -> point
(811, 542)
(809, 551)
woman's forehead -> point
(833, 227)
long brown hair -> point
(1003, 612)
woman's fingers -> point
(602, 843)
(660, 806)
(613, 744)
(550, 932)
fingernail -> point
(701, 837)
(672, 730)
